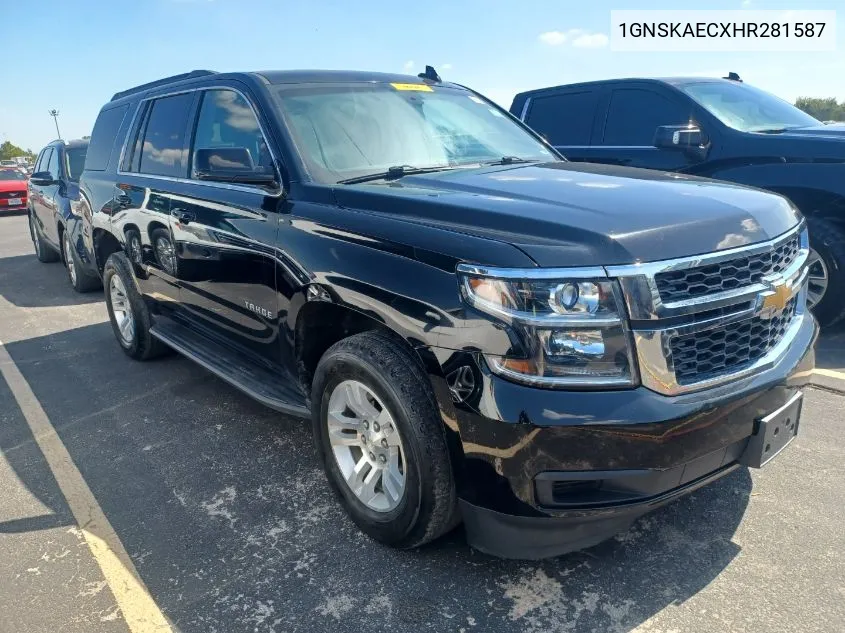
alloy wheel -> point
(366, 445)
(69, 261)
(164, 250)
(122, 310)
(819, 278)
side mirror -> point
(42, 178)
(680, 137)
(230, 164)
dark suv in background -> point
(478, 329)
(54, 226)
(718, 128)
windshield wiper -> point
(510, 160)
(393, 173)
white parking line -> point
(139, 610)
(830, 373)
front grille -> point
(678, 285)
(726, 349)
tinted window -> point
(634, 115)
(43, 159)
(162, 152)
(53, 165)
(36, 166)
(564, 119)
(74, 162)
(226, 120)
(103, 136)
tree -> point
(823, 109)
(7, 151)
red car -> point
(12, 189)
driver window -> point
(53, 165)
(227, 123)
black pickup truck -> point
(477, 328)
(717, 128)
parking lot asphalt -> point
(226, 515)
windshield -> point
(747, 109)
(75, 161)
(11, 174)
(354, 130)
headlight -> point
(570, 322)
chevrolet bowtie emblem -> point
(775, 301)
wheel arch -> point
(105, 243)
(321, 324)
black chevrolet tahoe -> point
(716, 128)
(478, 329)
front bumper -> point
(547, 472)
(13, 209)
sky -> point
(80, 52)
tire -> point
(827, 244)
(80, 281)
(163, 249)
(137, 343)
(43, 251)
(134, 250)
(427, 507)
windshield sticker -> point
(476, 99)
(414, 87)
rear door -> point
(633, 115)
(153, 164)
(225, 232)
(566, 118)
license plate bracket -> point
(773, 433)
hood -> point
(582, 214)
(834, 131)
(825, 143)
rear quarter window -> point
(103, 138)
(564, 118)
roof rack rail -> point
(162, 82)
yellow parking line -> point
(830, 373)
(139, 610)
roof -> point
(275, 77)
(77, 142)
(335, 76)
(674, 81)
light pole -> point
(55, 114)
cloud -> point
(590, 40)
(409, 65)
(578, 38)
(552, 38)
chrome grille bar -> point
(656, 323)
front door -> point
(633, 116)
(225, 232)
(153, 163)
(43, 198)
